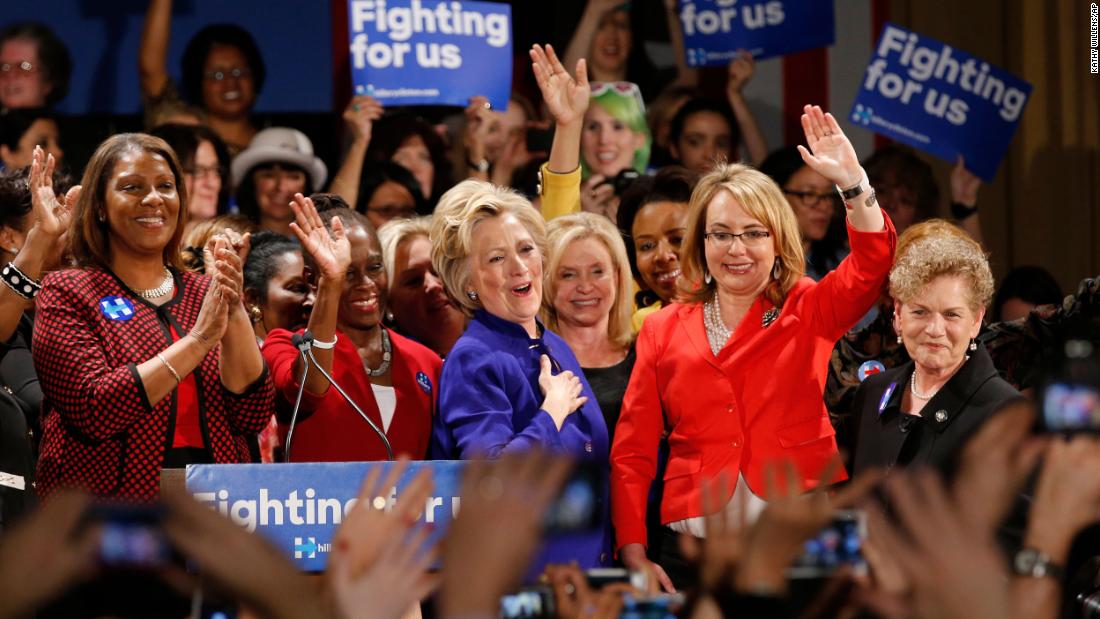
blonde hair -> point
(762, 200)
(561, 232)
(938, 250)
(926, 229)
(195, 239)
(395, 232)
(460, 210)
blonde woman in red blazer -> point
(735, 372)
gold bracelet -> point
(175, 374)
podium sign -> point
(298, 507)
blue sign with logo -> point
(117, 308)
(298, 507)
(715, 29)
(943, 101)
(431, 52)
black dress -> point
(609, 385)
(886, 436)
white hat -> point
(280, 145)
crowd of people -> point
(739, 340)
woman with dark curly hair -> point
(223, 73)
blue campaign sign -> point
(298, 507)
(715, 29)
(431, 52)
(943, 101)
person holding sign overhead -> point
(736, 372)
(144, 365)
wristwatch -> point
(855, 191)
(1035, 564)
(480, 166)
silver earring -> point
(389, 316)
(707, 279)
(777, 269)
(471, 295)
(973, 345)
(101, 217)
(899, 339)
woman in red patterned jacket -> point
(143, 366)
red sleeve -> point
(97, 400)
(281, 354)
(844, 295)
(637, 437)
(250, 412)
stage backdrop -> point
(294, 36)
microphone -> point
(303, 343)
(308, 350)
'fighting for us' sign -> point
(715, 29)
(946, 102)
(410, 52)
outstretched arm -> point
(586, 30)
(739, 72)
(153, 56)
(359, 117)
(831, 155)
(51, 220)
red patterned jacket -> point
(99, 430)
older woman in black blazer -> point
(924, 411)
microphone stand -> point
(347, 398)
(303, 343)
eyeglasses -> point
(750, 238)
(235, 73)
(23, 67)
(202, 171)
(625, 89)
(810, 199)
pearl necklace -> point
(387, 356)
(164, 288)
(913, 388)
(717, 332)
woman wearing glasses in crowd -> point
(143, 365)
(736, 372)
(205, 162)
(35, 67)
(391, 377)
(814, 201)
(509, 385)
(389, 191)
(223, 73)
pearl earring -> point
(899, 339)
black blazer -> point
(886, 437)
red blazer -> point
(100, 431)
(760, 400)
(329, 430)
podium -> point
(299, 506)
